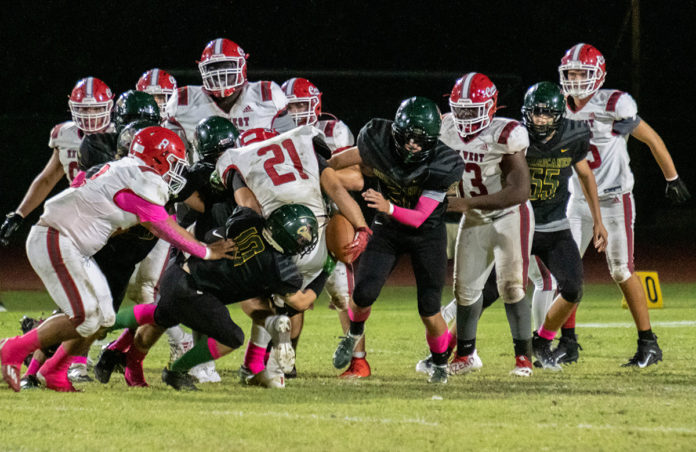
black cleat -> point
(567, 351)
(178, 380)
(108, 361)
(543, 353)
(292, 373)
(648, 353)
(29, 382)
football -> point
(339, 234)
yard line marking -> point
(666, 324)
(323, 418)
(660, 429)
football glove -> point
(676, 191)
(12, 222)
(357, 246)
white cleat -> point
(465, 364)
(78, 373)
(282, 350)
(425, 366)
(205, 373)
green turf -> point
(594, 405)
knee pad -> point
(89, 325)
(511, 291)
(619, 272)
(466, 296)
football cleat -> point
(344, 352)
(523, 367)
(282, 346)
(29, 382)
(543, 353)
(291, 374)
(178, 380)
(10, 371)
(359, 368)
(425, 366)
(244, 373)
(567, 350)
(465, 364)
(107, 363)
(205, 373)
(439, 374)
(78, 373)
(648, 353)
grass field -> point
(593, 405)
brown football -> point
(339, 233)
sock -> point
(452, 341)
(646, 335)
(519, 317)
(523, 347)
(438, 347)
(356, 329)
(33, 367)
(253, 358)
(213, 348)
(546, 334)
(260, 335)
(199, 354)
(17, 348)
(124, 341)
(467, 322)
(79, 360)
(568, 332)
(134, 367)
(359, 355)
(125, 318)
(570, 323)
(360, 316)
(144, 313)
(466, 346)
(56, 367)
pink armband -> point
(415, 217)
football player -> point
(305, 107)
(292, 169)
(194, 292)
(90, 102)
(558, 148)
(613, 116)
(158, 83)
(415, 170)
(76, 224)
(498, 223)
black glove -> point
(675, 191)
(12, 222)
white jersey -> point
(608, 155)
(336, 134)
(482, 156)
(88, 215)
(66, 139)
(279, 171)
(257, 107)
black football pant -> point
(428, 252)
(559, 252)
(181, 302)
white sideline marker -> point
(665, 324)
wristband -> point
(673, 179)
(391, 208)
(207, 254)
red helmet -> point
(160, 84)
(473, 102)
(304, 100)
(90, 104)
(162, 150)
(255, 136)
(222, 67)
(583, 57)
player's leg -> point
(559, 252)
(473, 263)
(544, 290)
(619, 220)
(376, 263)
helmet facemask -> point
(91, 116)
(303, 110)
(583, 87)
(470, 117)
(222, 75)
(413, 145)
(541, 131)
(174, 177)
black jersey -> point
(550, 167)
(257, 270)
(403, 184)
(95, 149)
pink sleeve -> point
(416, 217)
(79, 180)
(157, 216)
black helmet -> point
(213, 135)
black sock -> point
(440, 359)
(568, 332)
(466, 346)
(646, 335)
(523, 347)
(357, 328)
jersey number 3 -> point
(278, 157)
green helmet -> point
(125, 137)
(543, 98)
(292, 229)
(213, 135)
(417, 119)
(133, 105)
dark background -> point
(365, 58)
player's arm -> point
(351, 178)
(243, 195)
(303, 299)
(589, 188)
(515, 191)
(346, 158)
(676, 189)
(331, 185)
